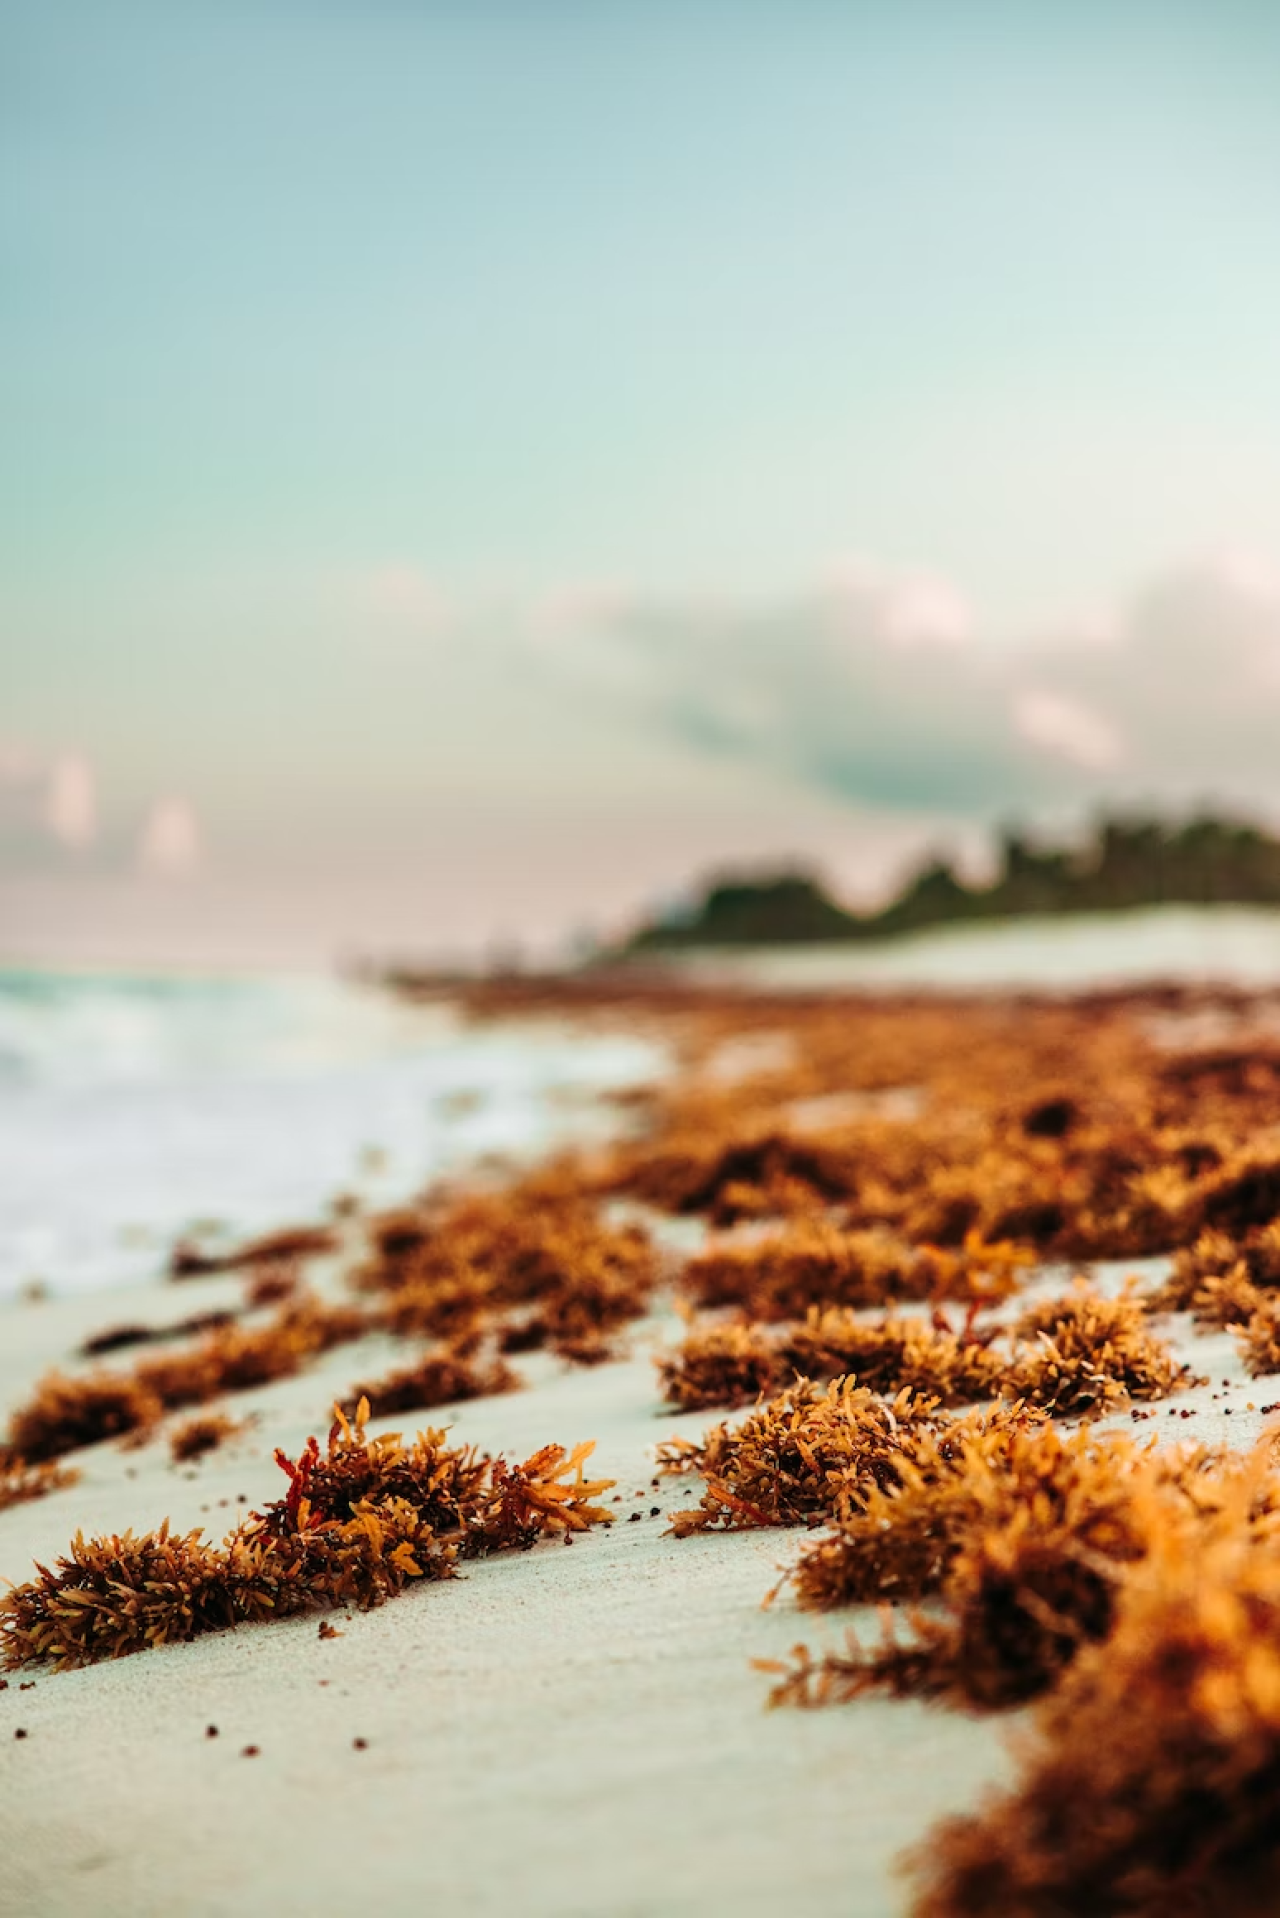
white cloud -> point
(1068, 728)
(916, 609)
(71, 801)
(169, 843)
(922, 610)
(879, 689)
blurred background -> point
(467, 470)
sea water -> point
(134, 1110)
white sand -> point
(1236, 945)
(575, 1730)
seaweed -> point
(360, 1520)
(814, 1261)
(733, 1364)
(720, 1365)
(284, 1246)
(1089, 1355)
(66, 1414)
(117, 1338)
(889, 1354)
(535, 1261)
(438, 1378)
(21, 1480)
(1259, 1340)
(204, 1432)
(1021, 1531)
(799, 1458)
(1152, 1783)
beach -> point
(579, 1728)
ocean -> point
(135, 1109)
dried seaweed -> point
(21, 1481)
(284, 1246)
(813, 1261)
(733, 1364)
(1259, 1340)
(66, 1413)
(1021, 1531)
(804, 1456)
(536, 1261)
(889, 1354)
(1153, 1783)
(360, 1520)
(438, 1378)
(1091, 1354)
(117, 1338)
(720, 1365)
(204, 1432)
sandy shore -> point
(1225, 945)
(575, 1730)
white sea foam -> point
(132, 1108)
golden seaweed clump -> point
(720, 1365)
(285, 1246)
(203, 1432)
(535, 1260)
(1088, 1355)
(20, 1481)
(1259, 1340)
(815, 1262)
(67, 1413)
(889, 1354)
(733, 1364)
(1153, 1783)
(802, 1457)
(766, 1173)
(1023, 1533)
(360, 1520)
(438, 1378)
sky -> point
(467, 468)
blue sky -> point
(379, 381)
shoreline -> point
(573, 1730)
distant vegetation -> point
(1125, 863)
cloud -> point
(1068, 728)
(71, 801)
(169, 843)
(880, 689)
(49, 795)
(867, 690)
